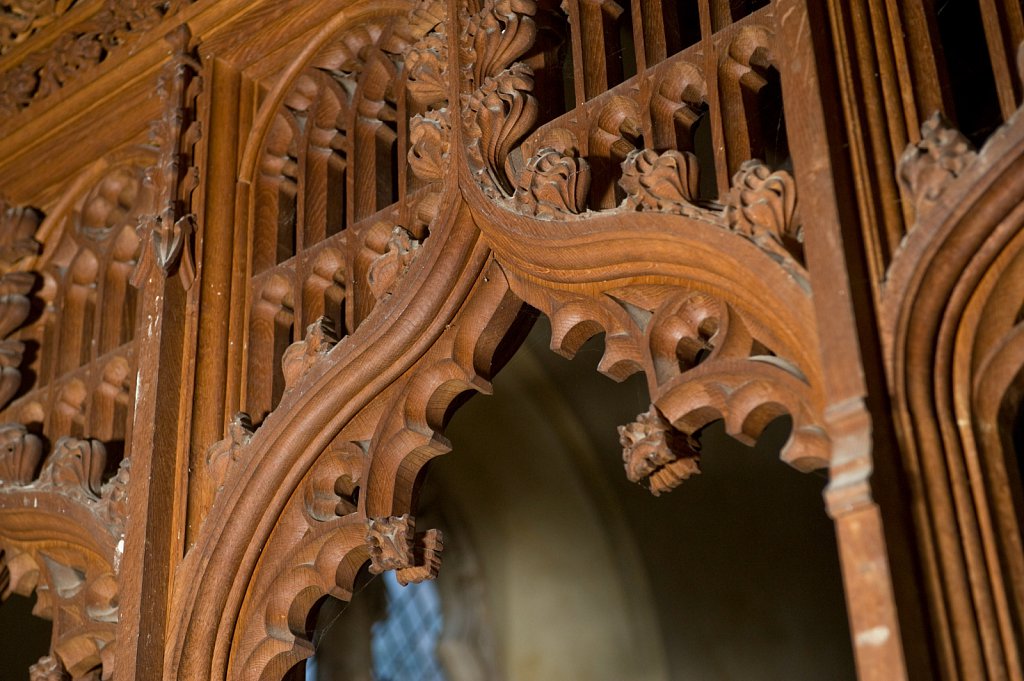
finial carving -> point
(302, 355)
(429, 134)
(666, 182)
(927, 168)
(656, 453)
(222, 455)
(168, 230)
(399, 253)
(20, 454)
(395, 546)
(553, 185)
(75, 467)
(762, 206)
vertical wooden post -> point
(218, 259)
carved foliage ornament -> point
(386, 269)
(553, 185)
(73, 577)
(429, 137)
(46, 71)
(500, 109)
(300, 356)
(394, 545)
(663, 182)
(927, 168)
(657, 454)
(19, 19)
(427, 64)
(74, 469)
(222, 455)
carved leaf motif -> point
(553, 185)
(20, 454)
(19, 19)
(302, 355)
(665, 182)
(761, 206)
(427, 64)
(497, 35)
(927, 168)
(429, 135)
(427, 16)
(657, 454)
(75, 466)
(48, 668)
(113, 508)
(47, 70)
(499, 113)
(71, 53)
(390, 541)
(385, 271)
(223, 454)
(394, 546)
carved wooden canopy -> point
(254, 255)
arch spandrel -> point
(660, 275)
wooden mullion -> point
(710, 52)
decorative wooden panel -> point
(343, 223)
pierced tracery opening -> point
(78, 366)
(571, 552)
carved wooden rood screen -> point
(254, 255)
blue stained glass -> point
(404, 644)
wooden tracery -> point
(451, 273)
(66, 460)
(270, 308)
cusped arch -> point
(452, 315)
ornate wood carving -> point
(62, 537)
(394, 545)
(656, 454)
(928, 167)
(223, 455)
(167, 233)
(44, 72)
(390, 192)
(723, 353)
(20, 19)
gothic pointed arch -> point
(478, 220)
(951, 310)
